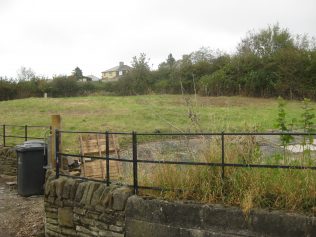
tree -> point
(140, 73)
(168, 64)
(25, 74)
(63, 86)
(282, 125)
(77, 73)
(170, 61)
(290, 67)
(166, 77)
(307, 121)
(266, 41)
(273, 62)
(204, 54)
(7, 89)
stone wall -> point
(157, 218)
(77, 208)
(85, 208)
(8, 161)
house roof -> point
(93, 78)
(118, 68)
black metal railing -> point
(136, 161)
(23, 133)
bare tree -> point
(25, 74)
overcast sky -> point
(54, 36)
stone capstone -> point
(59, 185)
(88, 193)
(120, 196)
(97, 195)
(80, 191)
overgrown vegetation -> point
(268, 63)
(282, 125)
(285, 189)
(282, 189)
(307, 121)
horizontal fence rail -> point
(23, 133)
(135, 161)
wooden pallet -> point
(94, 145)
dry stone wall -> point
(84, 208)
(8, 161)
(77, 208)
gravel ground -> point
(20, 216)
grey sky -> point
(55, 36)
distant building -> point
(93, 78)
(115, 73)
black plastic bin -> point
(31, 173)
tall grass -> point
(287, 189)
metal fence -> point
(135, 161)
(13, 134)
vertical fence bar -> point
(223, 156)
(25, 133)
(135, 178)
(107, 156)
(3, 135)
(57, 152)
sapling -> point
(307, 124)
(282, 125)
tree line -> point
(270, 62)
(28, 84)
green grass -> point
(146, 113)
(166, 113)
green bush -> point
(64, 87)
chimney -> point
(121, 64)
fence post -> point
(107, 156)
(3, 135)
(25, 132)
(56, 124)
(135, 178)
(223, 156)
(57, 160)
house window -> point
(120, 73)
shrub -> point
(64, 86)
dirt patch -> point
(20, 216)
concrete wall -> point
(8, 161)
(77, 208)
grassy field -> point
(148, 113)
(248, 188)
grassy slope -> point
(146, 113)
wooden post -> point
(56, 124)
